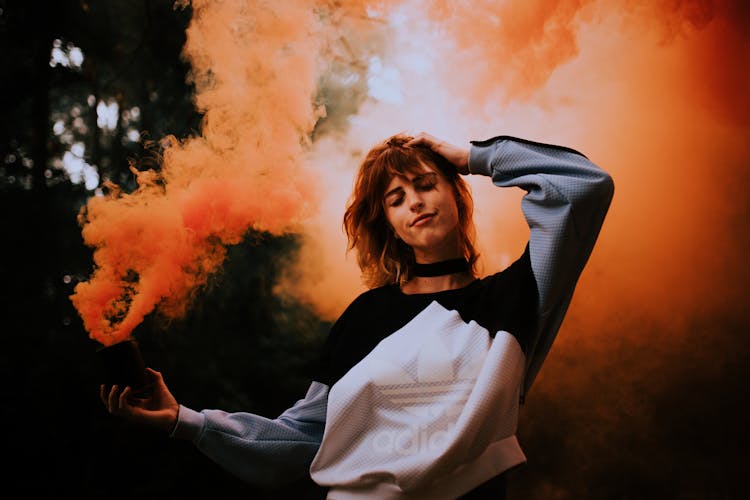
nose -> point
(415, 202)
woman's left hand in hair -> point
(454, 154)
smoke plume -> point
(254, 66)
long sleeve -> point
(565, 205)
(255, 448)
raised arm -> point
(565, 205)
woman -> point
(422, 376)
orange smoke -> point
(254, 69)
(652, 91)
(519, 43)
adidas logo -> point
(427, 381)
(427, 400)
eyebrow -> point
(413, 180)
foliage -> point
(237, 336)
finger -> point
(104, 395)
(428, 140)
(155, 375)
(112, 399)
(122, 401)
(420, 138)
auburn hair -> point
(384, 259)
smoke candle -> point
(122, 364)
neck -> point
(441, 268)
(449, 248)
(420, 284)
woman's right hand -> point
(458, 156)
(160, 409)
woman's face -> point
(421, 208)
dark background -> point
(243, 348)
(239, 348)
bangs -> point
(398, 162)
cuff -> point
(480, 158)
(190, 424)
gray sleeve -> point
(567, 198)
(258, 449)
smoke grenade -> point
(122, 364)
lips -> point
(421, 218)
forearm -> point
(255, 448)
(567, 199)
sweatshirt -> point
(418, 395)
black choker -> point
(441, 268)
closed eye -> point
(425, 185)
(395, 200)
(425, 182)
(394, 196)
(422, 183)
